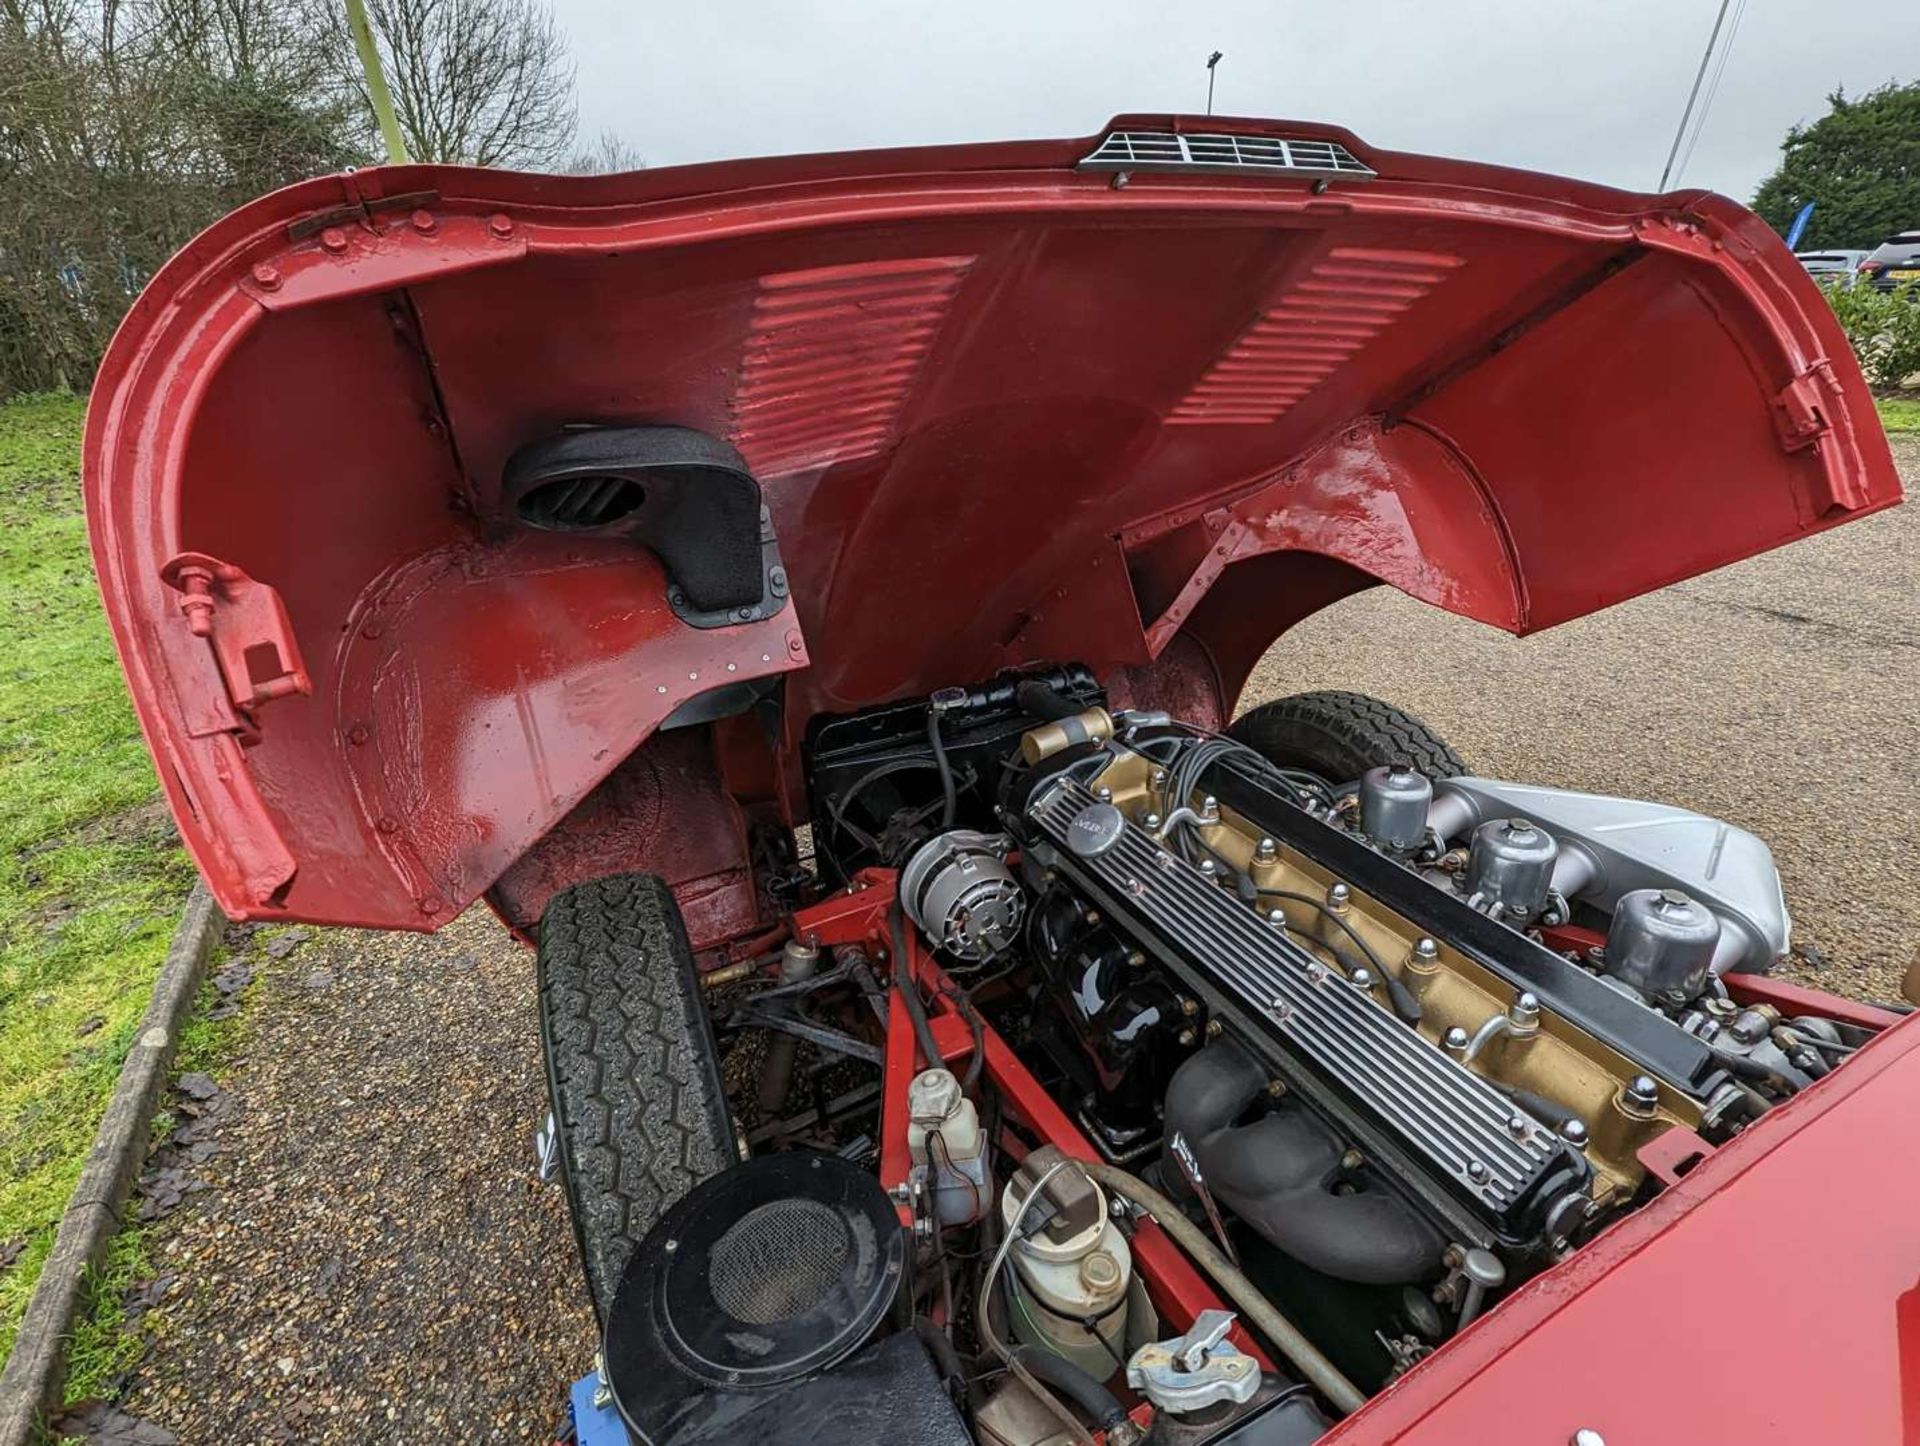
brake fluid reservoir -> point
(945, 1142)
(1067, 1291)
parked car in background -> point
(1896, 262)
(1823, 264)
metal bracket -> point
(1183, 1156)
(776, 1009)
(773, 589)
(1198, 1370)
(245, 623)
(1799, 412)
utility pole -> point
(1212, 60)
(1693, 95)
(376, 83)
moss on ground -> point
(91, 872)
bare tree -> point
(126, 126)
(481, 82)
(607, 154)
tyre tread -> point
(632, 1067)
(1331, 731)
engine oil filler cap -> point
(1095, 829)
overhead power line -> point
(1713, 88)
(1693, 95)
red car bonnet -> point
(1004, 409)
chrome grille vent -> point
(1172, 151)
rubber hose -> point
(1055, 1406)
(940, 1346)
(1072, 1382)
(1260, 1312)
(1037, 699)
(909, 992)
(978, 1029)
(949, 796)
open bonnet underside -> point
(1003, 408)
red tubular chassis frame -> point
(859, 916)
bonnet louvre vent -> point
(1319, 324)
(1172, 151)
(831, 355)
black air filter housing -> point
(743, 1314)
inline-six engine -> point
(1395, 1042)
(1407, 1038)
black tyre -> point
(632, 1068)
(1341, 735)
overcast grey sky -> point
(1591, 89)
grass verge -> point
(1899, 414)
(91, 872)
(104, 1348)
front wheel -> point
(640, 1112)
(1339, 736)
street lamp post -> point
(1212, 60)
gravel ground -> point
(372, 1260)
(372, 1263)
(1782, 694)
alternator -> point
(958, 889)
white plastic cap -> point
(933, 1097)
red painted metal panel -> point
(974, 368)
(1337, 310)
(830, 356)
(1790, 998)
(663, 810)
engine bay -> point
(1214, 1093)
